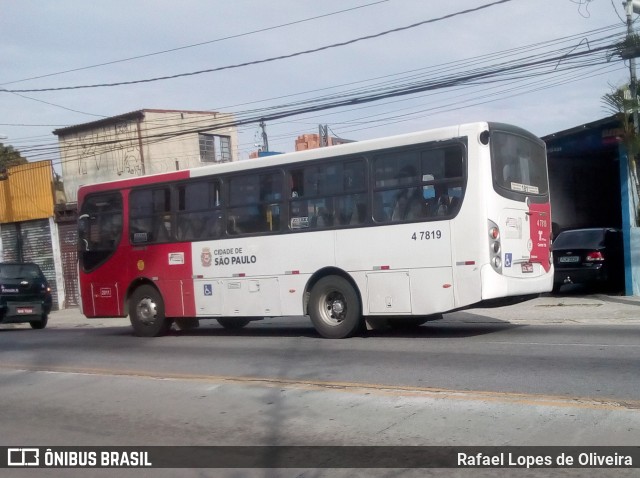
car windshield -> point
(19, 271)
(584, 239)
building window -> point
(214, 148)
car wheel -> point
(40, 324)
(334, 308)
(146, 312)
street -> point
(470, 379)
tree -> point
(620, 103)
(10, 157)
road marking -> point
(564, 344)
(593, 403)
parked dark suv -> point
(25, 295)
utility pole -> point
(631, 7)
(323, 133)
(265, 140)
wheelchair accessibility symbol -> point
(208, 290)
(508, 258)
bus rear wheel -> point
(334, 308)
(146, 312)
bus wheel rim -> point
(147, 311)
(334, 308)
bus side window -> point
(197, 207)
(443, 170)
(334, 194)
(255, 203)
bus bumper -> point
(495, 286)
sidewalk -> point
(73, 318)
(549, 309)
(596, 309)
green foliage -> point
(629, 47)
(621, 105)
(10, 157)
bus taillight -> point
(494, 246)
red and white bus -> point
(403, 228)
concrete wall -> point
(158, 141)
(632, 272)
(183, 151)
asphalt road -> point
(594, 361)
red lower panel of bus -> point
(167, 266)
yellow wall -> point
(27, 193)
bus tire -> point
(334, 308)
(146, 312)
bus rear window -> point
(518, 164)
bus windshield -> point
(519, 165)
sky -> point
(543, 65)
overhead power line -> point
(170, 50)
(266, 60)
(555, 62)
(554, 58)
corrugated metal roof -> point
(27, 193)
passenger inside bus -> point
(409, 205)
(409, 202)
(324, 218)
(214, 227)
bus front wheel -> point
(334, 308)
(146, 312)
